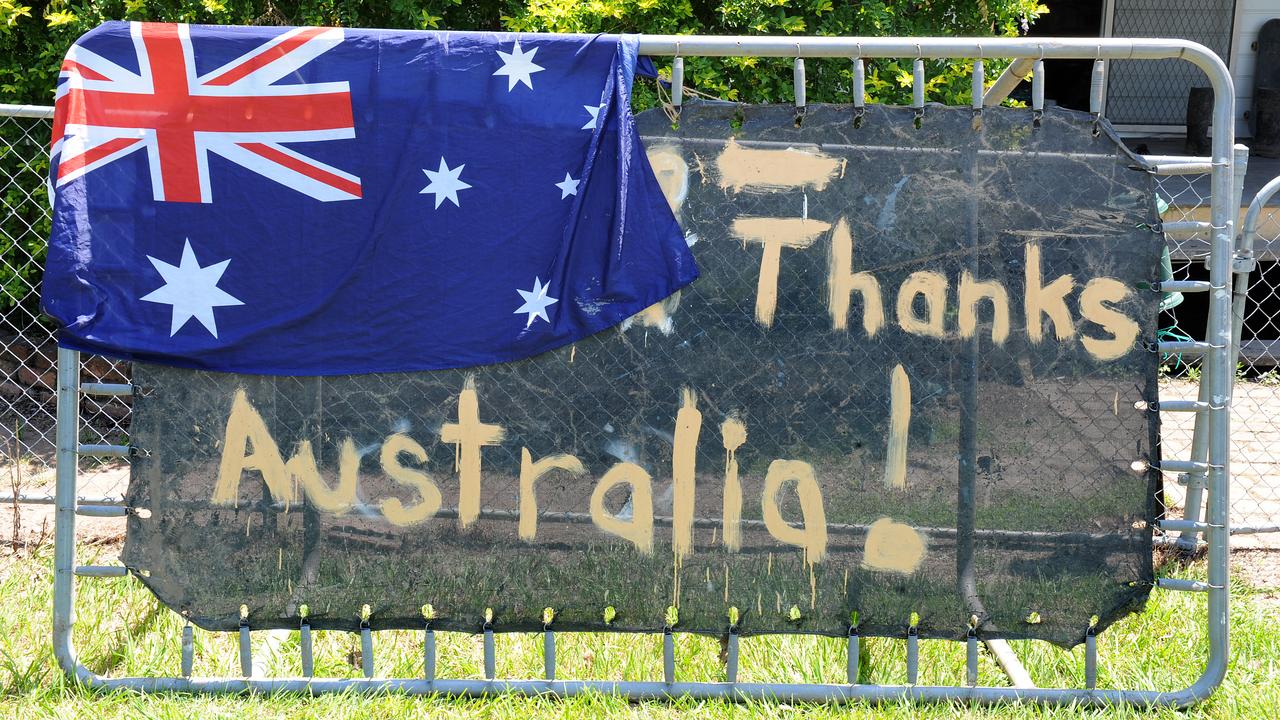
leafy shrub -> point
(24, 220)
(764, 80)
(33, 38)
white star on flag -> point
(445, 183)
(595, 116)
(568, 186)
(518, 66)
(192, 290)
(535, 302)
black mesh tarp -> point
(805, 456)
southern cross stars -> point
(568, 186)
(535, 302)
(445, 183)
(191, 290)
(518, 66)
(595, 116)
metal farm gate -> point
(92, 396)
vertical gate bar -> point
(366, 649)
(967, 441)
(308, 653)
(64, 548)
(429, 654)
(246, 652)
(1193, 498)
(1090, 660)
(731, 659)
(1240, 163)
(971, 659)
(913, 655)
(549, 654)
(490, 659)
(1193, 501)
(852, 662)
(1223, 218)
(668, 657)
(1239, 275)
(188, 650)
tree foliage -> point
(34, 36)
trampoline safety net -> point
(909, 380)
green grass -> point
(123, 631)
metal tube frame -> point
(1218, 353)
(1193, 501)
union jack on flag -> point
(238, 111)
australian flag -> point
(317, 201)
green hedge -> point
(34, 37)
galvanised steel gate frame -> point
(1209, 452)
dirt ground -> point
(1260, 569)
(1255, 457)
(34, 526)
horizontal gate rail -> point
(1208, 461)
(34, 112)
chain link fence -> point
(1255, 459)
(28, 350)
(1154, 92)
